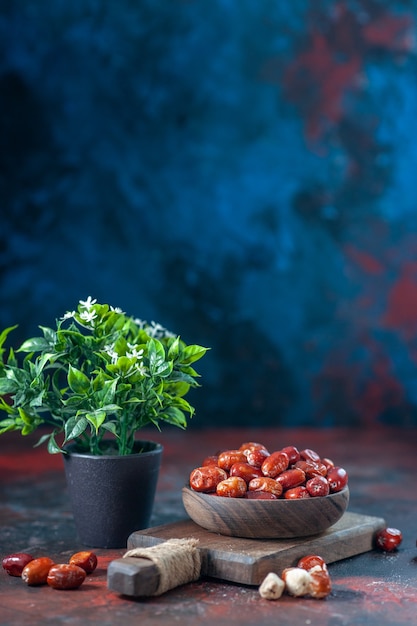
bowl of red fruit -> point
(256, 493)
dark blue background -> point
(242, 172)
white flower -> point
(88, 316)
(139, 322)
(112, 353)
(114, 357)
(68, 315)
(157, 330)
(134, 353)
(116, 309)
(141, 369)
(88, 303)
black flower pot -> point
(111, 495)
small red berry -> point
(388, 539)
(337, 478)
(311, 561)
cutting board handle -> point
(132, 576)
(153, 571)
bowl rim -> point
(205, 495)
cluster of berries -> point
(43, 570)
(252, 472)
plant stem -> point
(123, 435)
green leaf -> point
(35, 344)
(27, 429)
(96, 419)
(53, 447)
(187, 369)
(114, 322)
(8, 385)
(174, 349)
(42, 440)
(38, 399)
(163, 369)
(73, 337)
(123, 365)
(185, 378)
(106, 395)
(25, 416)
(21, 376)
(78, 382)
(110, 408)
(193, 353)
(5, 406)
(111, 427)
(74, 401)
(135, 400)
(179, 388)
(156, 355)
(182, 404)
(8, 425)
(45, 358)
(176, 417)
(11, 359)
(74, 427)
(3, 336)
(123, 387)
(49, 334)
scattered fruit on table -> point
(297, 581)
(36, 571)
(272, 587)
(388, 539)
(252, 469)
(65, 576)
(43, 570)
(309, 578)
(85, 559)
(14, 563)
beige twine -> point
(178, 562)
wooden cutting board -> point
(248, 561)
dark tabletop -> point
(372, 588)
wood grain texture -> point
(265, 519)
(248, 561)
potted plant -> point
(91, 384)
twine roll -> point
(178, 562)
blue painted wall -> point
(242, 172)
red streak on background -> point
(364, 260)
(401, 313)
(320, 80)
(34, 460)
(390, 33)
(330, 65)
(381, 392)
(343, 388)
(383, 598)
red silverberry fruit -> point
(388, 539)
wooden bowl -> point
(265, 519)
